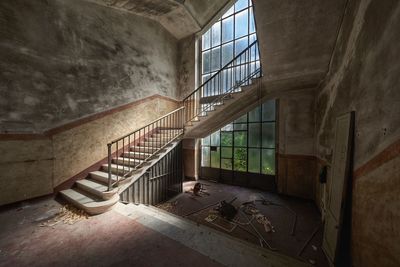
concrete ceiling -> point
(180, 17)
(297, 37)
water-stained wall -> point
(64, 60)
(33, 165)
(364, 77)
(186, 66)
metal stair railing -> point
(228, 80)
(168, 128)
(238, 72)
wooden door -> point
(337, 184)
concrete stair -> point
(88, 202)
(233, 106)
(92, 194)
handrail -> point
(166, 115)
(224, 67)
(156, 135)
(138, 146)
(240, 70)
(230, 91)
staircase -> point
(129, 158)
(228, 94)
(225, 96)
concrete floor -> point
(110, 239)
(282, 218)
(128, 235)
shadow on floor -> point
(296, 228)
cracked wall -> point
(64, 60)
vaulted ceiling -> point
(180, 17)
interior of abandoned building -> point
(199, 133)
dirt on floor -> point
(289, 225)
(44, 232)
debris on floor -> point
(250, 208)
(68, 215)
(168, 206)
(224, 224)
(198, 190)
(227, 210)
(211, 217)
(261, 219)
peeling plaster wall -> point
(64, 60)
(296, 161)
(31, 168)
(364, 77)
(186, 66)
(26, 169)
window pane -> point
(254, 115)
(215, 59)
(268, 110)
(208, 88)
(215, 139)
(215, 155)
(268, 135)
(227, 53)
(228, 127)
(254, 135)
(240, 45)
(252, 24)
(226, 80)
(241, 24)
(227, 29)
(252, 37)
(226, 152)
(205, 141)
(240, 139)
(241, 4)
(226, 164)
(206, 77)
(226, 138)
(205, 156)
(254, 160)
(242, 119)
(268, 161)
(240, 127)
(254, 54)
(228, 13)
(206, 62)
(240, 159)
(206, 40)
(216, 34)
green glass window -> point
(254, 160)
(240, 159)
(246, 145)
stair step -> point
(96, 188)
(89, 203)
(103, 177)
(117, 169)
(143, 149)
(136, 155)
(152, 144)
(127, 161)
